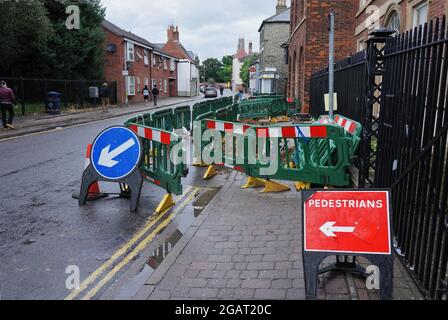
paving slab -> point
(247, 245)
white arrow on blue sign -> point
(116, 152)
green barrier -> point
(324, 151)
(182, 118)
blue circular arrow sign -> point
(116, 152)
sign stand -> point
(313, 258)
(133, 181)
(115, 157)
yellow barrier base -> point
(302, 186)
(272, 186)
(166, 203)
(254, 183)
(211, 172)
(200, 164)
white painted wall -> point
(186, 72)
(236, 79)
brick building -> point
(187, 63)
(308, 42)
(135, 62)
(399, 15)
(239, 58)
(274, 32)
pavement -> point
(36, 123)
(247, 245)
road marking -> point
(140, 247)
(122, 251)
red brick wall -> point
(313, 35)
(160, 74)
(114, 64)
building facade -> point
(188, 79)
(134, 62)
(238, 60)
(274, 32)
(399, 15)
(308, 42)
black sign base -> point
(133, 182)
(312, 261)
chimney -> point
(281, 6)
(250, 47)
(173, 33)
(241, 44)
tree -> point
(35, 41)
(244, 72)
(210, 68)
(25, 35)
(78, 53)
(225, 74)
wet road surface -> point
(43, 230)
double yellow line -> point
(122, 251)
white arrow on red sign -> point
(329, 229)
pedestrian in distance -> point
(7, 102)
(104, 94)
(146, 93)
(155, 94)
(221, 90)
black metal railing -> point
(406, 143)
(31, 94)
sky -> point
(209, 28)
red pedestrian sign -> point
(353, 222)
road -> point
(43, 230)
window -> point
(393, 21)
(173, 65)
(361, 45)
(420, 16)
(165, 86)
(160, 84)
(165, 64)
(129, 51)
(138, 84)
(131, 86)
(146, 82)
(153, 59)
(154, 82)
(145, 57)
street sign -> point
(116, 153)
(352, 222)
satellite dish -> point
(111, 48)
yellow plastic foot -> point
(302, 186)
(272, 186)
(211, 172)
(200, 164)
(166, 203)
(254, 183)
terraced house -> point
(399, 15)
(134, 62)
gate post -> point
(374, 96)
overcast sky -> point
(209, 28)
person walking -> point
(221, 90)
(155, 93)
(146, 93)
(104, 94)
(7, 102)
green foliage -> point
(214, 70)
(36, 43)
(25, 35)
(210, 68)
(244, 72)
